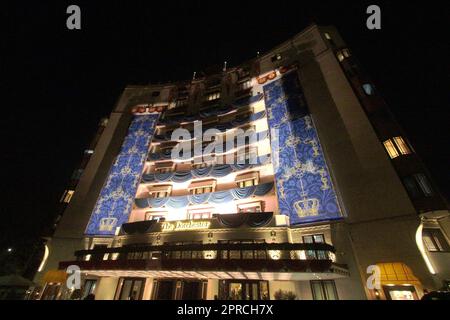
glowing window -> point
(67, 196)
(213, 96)
(252, 207)
(368, 89)
(390, 148)
(401, 145)
(196, 214)
(327, 36)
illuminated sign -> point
(185, 225)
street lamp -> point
(10, 250)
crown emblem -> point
(107, 224)
(307, 207)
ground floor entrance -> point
(179, 289)
(243, 290)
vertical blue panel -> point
(304, 188)
(115, 202)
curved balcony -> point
(211, 111)
(218, 197)
(167, 154)
(222, 127)
(215, 171)
(231, 260)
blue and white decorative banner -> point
(304, 188)
(116, 198)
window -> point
(155, 94)
(245, 85)
(252, 207)
(196, 214)
(313, 254)
(156, 215)
(200, 187)
(67, 196)
(324, 290)
(201, 190)
(161, 191)
(200, 165)
(327, 36)
(434, 240)
(368, 89)
(89, 288)
(343, 54)
(247, 179)
(163, 167)
(131, 289)
(181, 102)
(418, 186)
(213, 96)
(247, 183)
(401, 145)
(396, 147)
(389, 146)
(276, 57)
(423, 183)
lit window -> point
(343, 54)
(247, 183)
(164, 167)
(245, 85)
(390, 148)
(401, 145)
(327, 36)
(156, 215)
(213, 96)
(252, 207)
(423, 183)
(88, 151)
(161, 191)
(200, 187)
(196, 214)
(434, 240)
(368, 89)
(67, 196)
(276, 57)
(247, 179)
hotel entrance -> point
(243, 290)
(179, 289)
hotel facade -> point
(285, 177)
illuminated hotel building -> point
(327, 187)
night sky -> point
(57, 84)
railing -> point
(298, 257)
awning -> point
(397, 273)
(55, 276)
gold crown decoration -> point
(107, 224)
(307, 207)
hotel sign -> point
(185, 225)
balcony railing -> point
(274, 257)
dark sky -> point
(57, 83)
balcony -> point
(215, 260)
